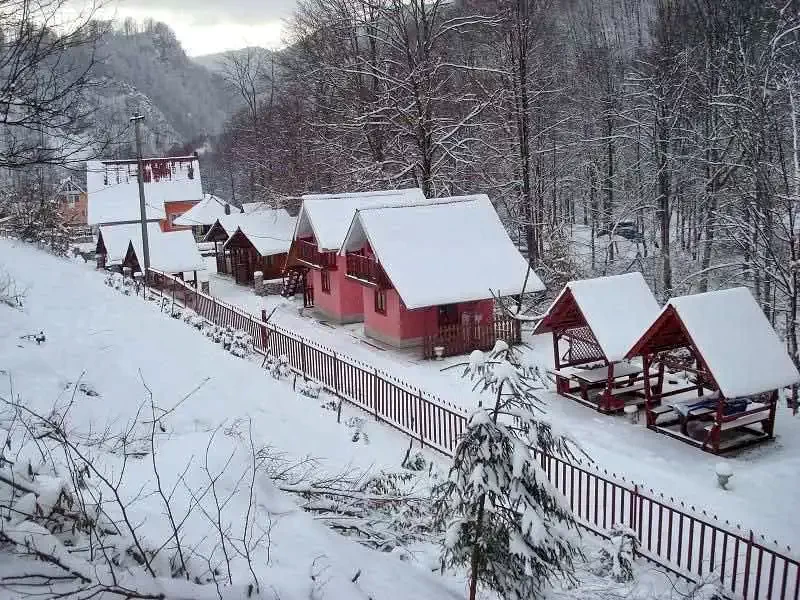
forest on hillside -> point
(671, 124)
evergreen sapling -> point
(503, 519)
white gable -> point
(270, 231)
(117, 237)
(171, 252)
(618, 309)
(328, 216)
(113, 189)
(740, 347)
(444, 251)
(205, 212)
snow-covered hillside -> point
(104, 350)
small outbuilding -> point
(173, 253)
(260, 242)
(113, 242)
(719, 367)
(594, 322)
(219, 233)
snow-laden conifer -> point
(503, 519)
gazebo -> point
(594, 322)
(719, 368)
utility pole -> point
(137, 119)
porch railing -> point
(366, 268)
(462, 338)
(309, 253)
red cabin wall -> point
(344, 303)
(403, 327)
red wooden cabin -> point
(260, 243)
(594, 322)
(314, 264)
(219, 233)
(720, 366)
(418, 289)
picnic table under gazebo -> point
(719, 366)
(594, 322)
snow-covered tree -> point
(504, 521)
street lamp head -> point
(137, 118)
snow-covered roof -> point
(117, 237)
(270, 231)
(113, 190)
(328, 216)
(171, 252)
(204, 212)
(617, 308)
(737, 342)
(443, 251)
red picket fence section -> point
(688, 542)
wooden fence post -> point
(375, 389)
(420, 421)
(632, 507)
(303, 357)
(747, 560)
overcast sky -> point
(207, 26)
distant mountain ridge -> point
(216, 62)
(144, 69)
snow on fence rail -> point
(679, 538)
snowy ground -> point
(651, 460)
(101, 341)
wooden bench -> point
(618, 391)
(741, 421)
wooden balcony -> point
(365, 268)
(464, 338)
(308, 252)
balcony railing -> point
(309, 253)
(464, 338)
(367, 269)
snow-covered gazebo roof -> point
(114, 239)
(735, 340)
(617, 309)
(268, 230)
(170, 252)
(205, 212)
(328, 216)
(113, 190)
(430, 250)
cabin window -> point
(448, 315)
(268, 260)
(326, 281)
(380, 302)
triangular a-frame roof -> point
(728, 330)
(268, 231)
(327, 217)
(113, 240)
(617, 309)
(170, 252)
(205, 212)
(428, 250)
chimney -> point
(227, 209)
